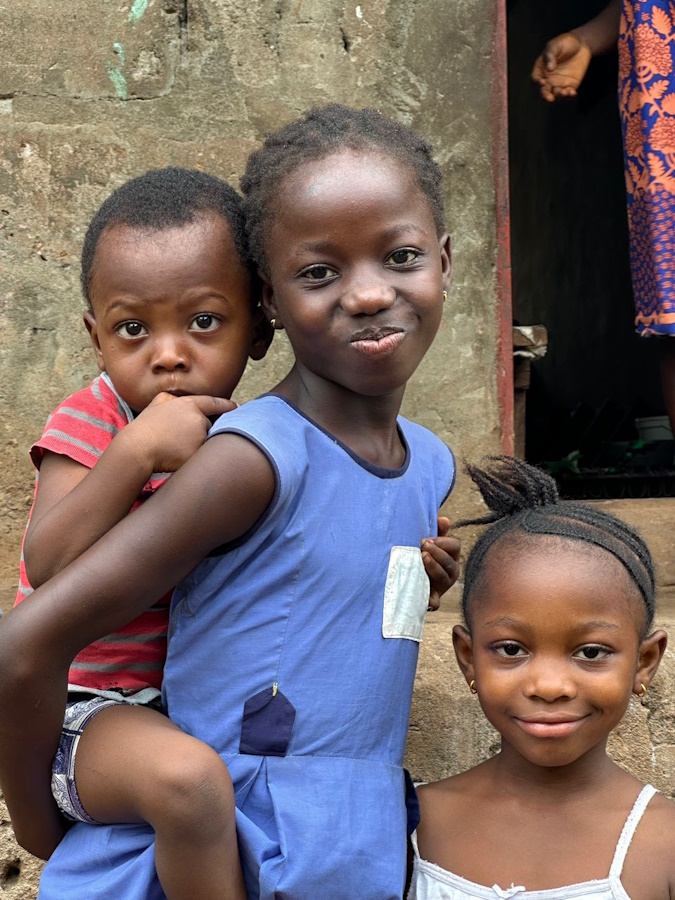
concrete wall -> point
(93, 93)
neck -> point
(592, 772)
(367, 425)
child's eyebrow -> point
(391, 233)
(502, 621)
(126, 303)
(505, 620)
(599, 624)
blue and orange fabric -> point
(647, 107)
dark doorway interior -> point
(570, 251)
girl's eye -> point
(205, 322)
(592, 652)
(318, 272)
(510, 650)
(403, 257)
(131, 330)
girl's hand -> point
(171, 429)
(441, 561)
(562, 66)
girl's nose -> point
(168, 355)
(368, 297)
(550, 681)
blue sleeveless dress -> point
(293, 654)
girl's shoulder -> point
(450, 797)
(650, 861)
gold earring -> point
(273, 323)
(445, 296)
(472, 686)
(644, 693)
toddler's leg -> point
(133, 764)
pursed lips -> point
(377, 341)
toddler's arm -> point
(213, 499)
(440, 556)
(562, 65)
(75, 505)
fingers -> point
(443, 525)
(444, 545)
(434, 601)
(550, 60)
(539, 70)
(208, 406)
(212, 406)
(441, 561)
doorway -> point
(570, 269)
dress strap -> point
(629, 827)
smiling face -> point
(172, 311)
(356, 271)
(555, 647)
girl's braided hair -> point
(320, 132)
(522, 498)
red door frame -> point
(500, 163)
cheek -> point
(614, 696)
(497, 683)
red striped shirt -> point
(81, 428)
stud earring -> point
(445, 296)
(472, 686)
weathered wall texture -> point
(93, 92)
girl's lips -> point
(378, 345)
(550, 728)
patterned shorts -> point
(78, 715)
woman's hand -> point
(562, 66)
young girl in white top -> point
(558, 606)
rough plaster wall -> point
(94, 93)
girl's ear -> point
(446, 259)
(463, 644)
(268, 301)
(92, 328)
(650, 655)
(262, 335)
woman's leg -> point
(133, 764)
(667, 345)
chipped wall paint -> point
(115, 73)
(137, 10)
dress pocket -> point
(406, 595)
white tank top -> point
(431, 882)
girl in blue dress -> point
(296, 531)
